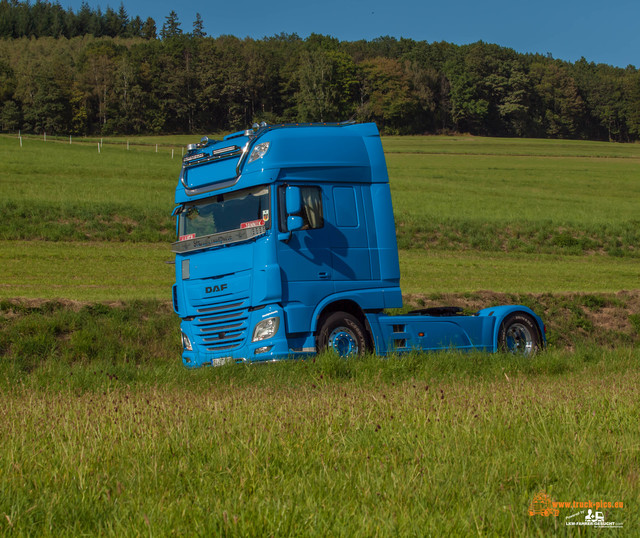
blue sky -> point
(601, 31)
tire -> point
(519, 335)
(342, 333)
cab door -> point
(304, 256)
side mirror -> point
(293, 199)
(294, 223)
(293, 208)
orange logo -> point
(541, 505)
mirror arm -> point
(285, 237)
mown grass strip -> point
(85, 271)
(110, 271)
(434, 271)
(474, 145)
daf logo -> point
(215, 289)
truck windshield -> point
(248, 211)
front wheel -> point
(519, 335)
(343, 333)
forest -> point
(89, 72)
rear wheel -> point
(519, 335)
(343, 333)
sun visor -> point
(211, 173)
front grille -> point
(218, 308)
(223, 326)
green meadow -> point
(513, 215)
(104, 432)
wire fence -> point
(175, 150)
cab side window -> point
(311, 213)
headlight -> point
(266, 329)
(259, 151)
(186, 343)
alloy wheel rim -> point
(343, 342)
(519, 339)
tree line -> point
(130, 82)
(46, 19)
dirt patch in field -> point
(68, 304)
(21, 306)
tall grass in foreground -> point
(443, 444)
(103, 432)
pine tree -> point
(171, 27)
(198, 27)
(148, 30)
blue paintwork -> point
(428, 333)
(221, 293)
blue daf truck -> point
(286, 246)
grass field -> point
(479, 194)
(105, 433)
(455, 445)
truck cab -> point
(286, 246)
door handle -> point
(323, 275)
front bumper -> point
(274, 348)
